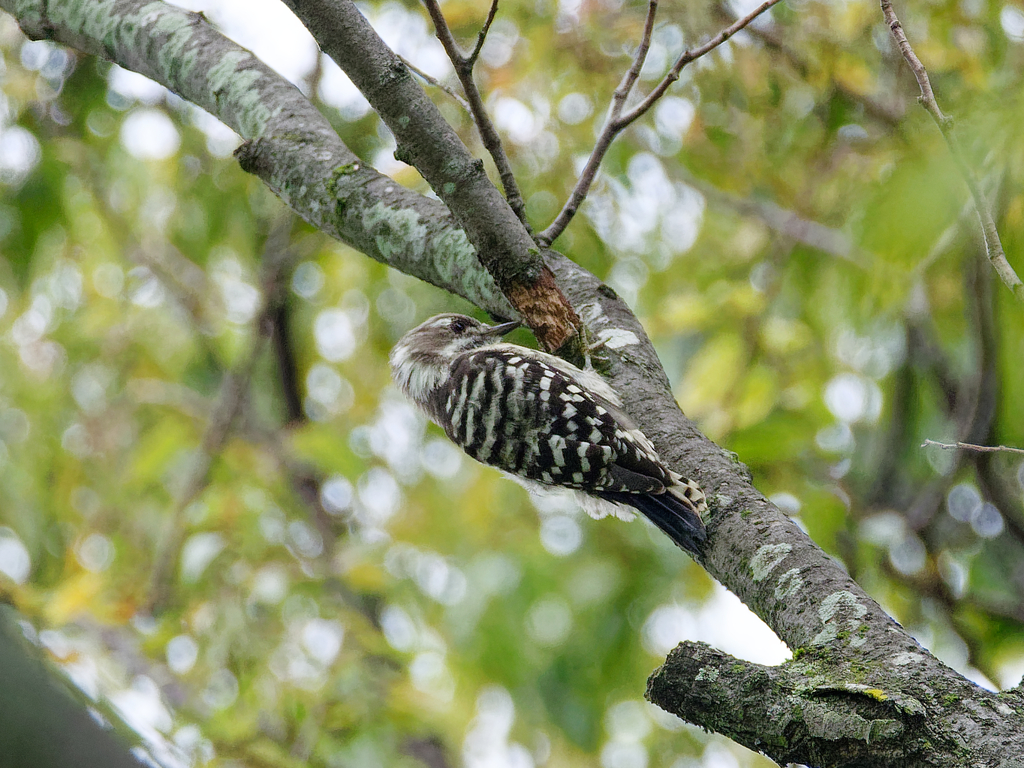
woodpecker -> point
(542, 420)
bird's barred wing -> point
(531, 419)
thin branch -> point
(630, 78)
(616, 121)
(488, 133)
(993, 246)
(471, 59)
(972, 447)
(690, 56)
(610, 130)
(429, 79)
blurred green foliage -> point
(338, 586)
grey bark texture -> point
(860, 690)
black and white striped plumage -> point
(543, 420)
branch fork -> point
(616, 121)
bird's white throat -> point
(417, 378)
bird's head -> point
(421, 360)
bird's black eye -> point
(458, 325)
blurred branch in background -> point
(886, 111)
(787, 223)
(234, 388)
(44, 725)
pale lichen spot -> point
(788, 584)
(592, 314)
(907, 657)
(707, 673)
(398, 233)
(454, 259)
(767, 558)
(616, 338)
(840, 612)
(235, 82)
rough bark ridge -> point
(860, 690)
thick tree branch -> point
(993, 245)
(811, 712)
(425, 140)
(617, 121)
(290, 146)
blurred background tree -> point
(227, 530)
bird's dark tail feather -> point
(675, 519)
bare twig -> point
(482, 37)
(971, 447)
(437, 84)
(993, 246)
(616, 121)
(488, 133)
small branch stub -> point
(972, 447)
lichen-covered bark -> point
(844, 711)
(861, 691)
(290, 145)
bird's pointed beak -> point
(497, 331)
